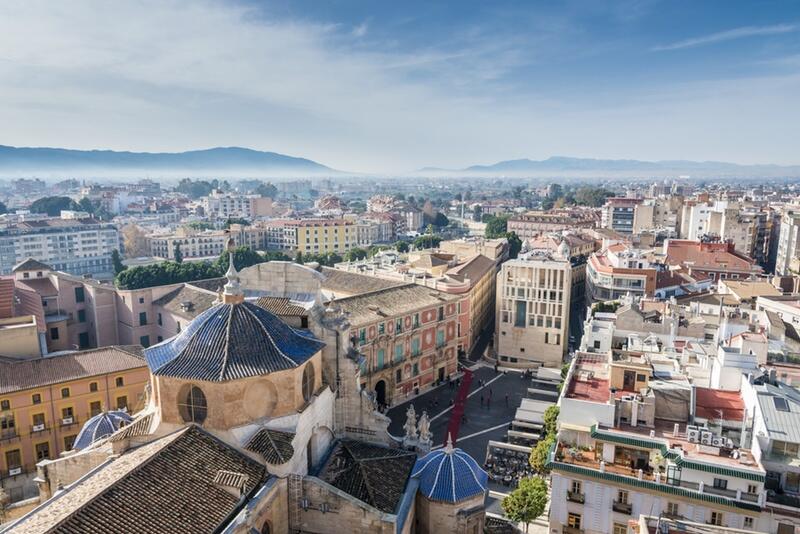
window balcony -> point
(622, 507)
(571, 530)
(574, 496)
(8, 435)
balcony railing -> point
(40, 428)
(9, 434)
(571, 530)
(574, 496)
(622, 507)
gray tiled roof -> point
(31, 265)
(347, 283)
(273, 445)
(781, 425)
(27, 374)
(373, 474)
(281, 306)
(376, 306)
(167, 485)
(232, 341)
(187, 301)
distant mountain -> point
(228, 161)
(559, 165)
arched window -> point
(192, 405)
(308, 381)
(266, 528)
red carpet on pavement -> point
(458, 407)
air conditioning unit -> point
(705, 437)
(693, 434)
(729, 443)
(38, 428)
(67, 421)
(15, 471)
(718, 442)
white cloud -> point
(176, 75)
(728, 35)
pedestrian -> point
(495, 368)
(506, 400)
(481, 400)
(490, 393)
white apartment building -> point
(533, 309)
(206, 244)
(788, 243)
(75, 245)
(225, 205)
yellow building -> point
(44, 402)
(319, 236)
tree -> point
(401, 246)
(538, 457)
(86, 204)
(199, 225)
(440, 220)
(53, 206)
(178, 254)
(327, 259)
(554, 191)
(527, 502)
(134, 241)
(236, 220)
(514, 244)
(266, 189)
(355, 254)
(299, 257)
(551, 420)
(167, 272)
(116, 261)
(477, 212)
(274, 255)
(243, 257)
(592, 196)
(496, 226)
(196, 188)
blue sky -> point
(393, 86)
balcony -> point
(39, 429)
(622, 507)
(8, 435)
(574, 496)
(571, 530)
(67, 422)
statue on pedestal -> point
(425, 436)
(410, 439)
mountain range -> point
(218, 161)
(567, 166)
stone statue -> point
(425, 436)
(410, 426)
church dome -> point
(449, 475)
(231, 341)
(100, 426)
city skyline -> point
(391, 89)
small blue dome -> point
(449, 475)
(100, 426)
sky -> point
(390, 87)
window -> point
(83, 340)
(716, 518)
(398, 375)
(141, 300)
(36, 398)
(752, 488)
(5, 405)
(720, 483)
(574, 520)
(81, 316)
(622, 497)
(398, 352)
(67, 412)
(160, 320)
(119, 381)
(308, 381)
(122, 403)
(69, 441)
(95, 408)
(416, 369)
(380, 357)
(381, 328)
(193, 407)
(54, 334)
(26, 275)
(416, 320)
(672, 509)
(748, 522)
(398, 326)
(38, 419)
(159, 339)
(42, 451)
(64, 393)
(440, 338)
(620, 528)
(780, 404)
(576, 486)
(92, 386)
(142, 318)
(79, 295)
(144, 341)
(13, 459)
(362, 336)
(441, 313)
(415, 347)
(179, 326)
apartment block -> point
(618, 214)
(74, 245)
(533, 309)
(788, 243)
(225, 205)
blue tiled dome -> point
(100, 426)
(231, 341)
(449, 475)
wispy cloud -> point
(728, 35)
(360, 30)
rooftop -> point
(378, 305)
(167, 485)
(28, 374)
